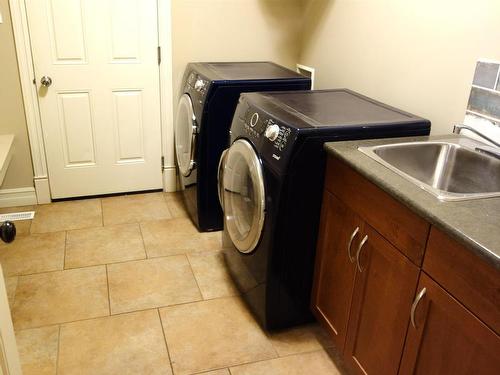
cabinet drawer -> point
(466, 276)
(399, 225)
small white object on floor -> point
(14, 216)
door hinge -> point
(162, 163)
(159, 55)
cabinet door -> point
(334, 274)
(383, 294)
(447, 338)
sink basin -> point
(448, 170)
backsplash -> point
(484, 99)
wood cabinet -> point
(473, 281)
(335, 267)
(447, 338)
(383, 293)
(403, 228)
(371, 257)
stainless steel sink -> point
(447, 169)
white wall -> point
(234, 30)
(12, 120)
(418, 55)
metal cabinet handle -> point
(46, 81)
(358, 253)
(353, 235)
(414, 306)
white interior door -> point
(101, 113)
(9, 357)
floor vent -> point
(27, 215)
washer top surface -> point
(334, 108)
(251, 71)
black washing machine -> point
(210, 92)
(270, 187)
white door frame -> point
(32, 111)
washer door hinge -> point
(159, 55)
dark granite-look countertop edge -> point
(474, 223)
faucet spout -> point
(459, 127)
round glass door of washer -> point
(243, 195)
(185, 135)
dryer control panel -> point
(253, 124)
(274, 141)
(278, 135)
(197, 85)
(259, 125)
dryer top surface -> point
(262, 70)
(334, 108)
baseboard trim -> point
(42, 190)
(17, 197)
(169, 179)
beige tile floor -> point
(126, 285)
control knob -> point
(272, 132)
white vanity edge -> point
(6, 151)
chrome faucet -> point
(458, 128)
(489, 150)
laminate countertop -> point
(474, 223)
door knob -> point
(46, 81)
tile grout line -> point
(121, 313)
(29, 230)
(279, 357)
(107, 284)
(194, 276)
(269, 337)
(65, 246)
(165, 339)
(202, 372)
(102, 213)
(143, 242)
(111, 263)
(15, 292)
(58, 348)
(68, 269)
(167, 205)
